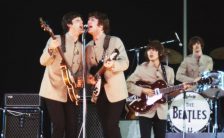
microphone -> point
(85, 26)
(180, 44)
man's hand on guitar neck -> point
(109, 64)
(186, 85)
(91, 79)
(148, 92)
(54, 43)
(79, 82)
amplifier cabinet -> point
(22, 100)
(22, 123)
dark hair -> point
(155, 44)
(67, 19)
(103, 20)
(195, 39)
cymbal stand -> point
(215, 126)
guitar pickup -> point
(157, 91)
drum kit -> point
(193, 114)
(199, 108)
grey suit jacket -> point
(115, 87)
(146, 72)
(190, 69)
(52, 85)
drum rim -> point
(174, 126)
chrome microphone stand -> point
(184, 119)
(137, 50)
(83, 127)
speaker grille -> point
(22, 124)
(93, 125)
(21, 100)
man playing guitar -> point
(150, 72)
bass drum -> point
(191, 118)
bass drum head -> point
(192, 117)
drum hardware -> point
(215, 126)
(210, 90)
(214, 91)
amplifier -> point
(22, 100)
(22, 123)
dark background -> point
(135, 22)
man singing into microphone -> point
(194, 64)
(111, 99)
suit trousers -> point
(146, 124)
(109, 114)
(63, 118)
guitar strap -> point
(64, 50)
(164, 73)
(63, 43)
(105, 45)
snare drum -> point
(192, 117)
(217, 85)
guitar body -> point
(95, 69)
(72, 92)
(144, 103)
(98, 72)
(158, 84)
(140, 105)
(130, 113)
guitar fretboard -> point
(175, 88)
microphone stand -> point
(84, 84)
(143, 47)
(137, 50)
(184, 116)
(165, 42)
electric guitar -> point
(65, 72)
(98, 72)
(144, 103)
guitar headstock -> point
(46, 27)
(207, 80)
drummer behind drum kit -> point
(193, 113)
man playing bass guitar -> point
(54, 91)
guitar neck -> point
(175, 88)
(101, 71)
(60, 52)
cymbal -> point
(173, 56)
(217, 53)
